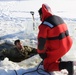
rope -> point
(15, 72)
(38, 70)
(41, 69)
(35, 71)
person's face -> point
(19, 45)
(40, 17)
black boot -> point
(68, 66)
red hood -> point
(46, 11)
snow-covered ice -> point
(14, 26)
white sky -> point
(34, 4)
(28, 5)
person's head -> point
(44, 12)
(18, 44)
(40, 13)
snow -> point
(17, 23)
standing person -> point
(19, 52)
(54, 41)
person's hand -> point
(43, 55)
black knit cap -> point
(40, 11)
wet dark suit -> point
(16, 55)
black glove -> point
(43, 55)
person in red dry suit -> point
(54, 41)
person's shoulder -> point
(27, 48)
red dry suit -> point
(53, 39)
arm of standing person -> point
(42, 36)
